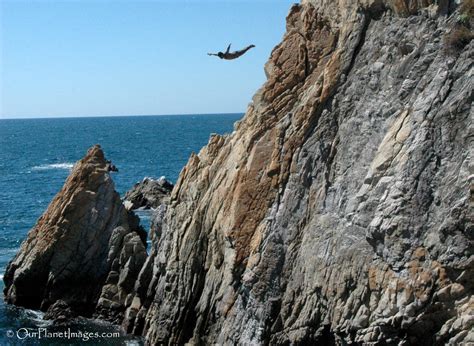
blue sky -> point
(93, 58)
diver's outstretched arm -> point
(212, 54)
(228, 48)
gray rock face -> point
(84, 237)
(341, 208)
(127, 253)
(149, 193)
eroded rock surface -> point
(85, 237)
(341, 208)
(339, 211)
(149, 193)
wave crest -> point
(63, 165)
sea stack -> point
(79, 245)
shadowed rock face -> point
(340, 210)
(83, 238)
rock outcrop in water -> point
(84, 253)
(149, 193)
(339, 211)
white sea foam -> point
(5, 251)
(34, 314)
(37, 317)
(63, 165)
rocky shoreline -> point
(340, 211)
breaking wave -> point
(64, 165)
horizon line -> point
(114, 116)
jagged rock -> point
(85, 236)
(340, 210)
(111, 167)
(126, 266)
(146, 283)
(149, 193)
(60, 312)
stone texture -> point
(60, 312)
(84, 237)
(149, 193)
(340, 209)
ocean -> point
(36, 156)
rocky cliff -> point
(84, 253)
(339, 211)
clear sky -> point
(92, 58)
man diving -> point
(232, 55)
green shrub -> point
(463, 19)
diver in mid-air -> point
(232, 55)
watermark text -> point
(66, 334)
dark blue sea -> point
(36, 156)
